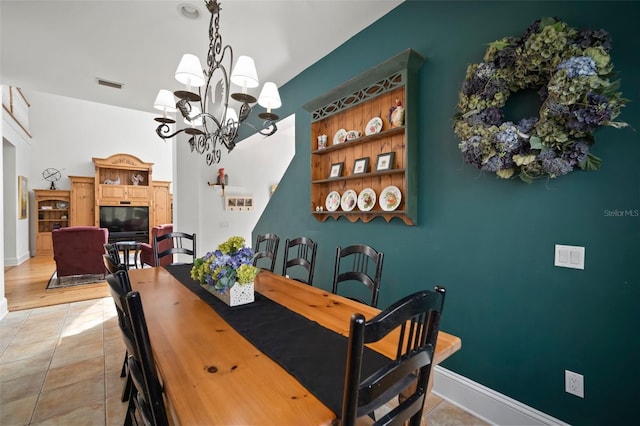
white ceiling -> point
(62, 47)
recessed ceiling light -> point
(189, 11)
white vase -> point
(238, 294)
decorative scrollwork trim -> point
(371, 91)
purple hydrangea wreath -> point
(571, 72)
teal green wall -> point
(490, 242)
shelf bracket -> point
(216, 185)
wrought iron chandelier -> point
(212, 123)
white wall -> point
(253, 166)
(68, 133)
(3, 300)
(15, 157)
(17, 150)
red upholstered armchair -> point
(78, 250)
(146, 250)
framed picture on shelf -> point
(336, 170)
(385, 161)
(361, 165)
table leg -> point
(136, 255)
(125, 260)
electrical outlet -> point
(574, 383)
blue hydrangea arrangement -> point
(570, 69)
(222, 268)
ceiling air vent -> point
(107, 83)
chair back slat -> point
(108, 264)
(147, 394)
(266, 247)
(112, 251)
(398, 374)
(143, 356)
(175, 247)
(359, 263)
(141, 403)
(417, 319)
(119, 286)
(305, 256)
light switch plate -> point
(569, 256)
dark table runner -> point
(313, 354)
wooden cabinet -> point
(161, 203)
(82, 209)
(81, 205)
(110, 194)
(125, 180)
(52, 212)
(351, 106)
(122, 179)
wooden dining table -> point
(212, 375)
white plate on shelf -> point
(366, 199)
(373, 126)
(390, 198)
(333, 201)
(349, 200)
(340, 137)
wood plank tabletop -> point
(212, 375)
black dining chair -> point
(109, 265)
(119, 287)
(182, 243)
(417, 317)
(304, 249)
(359, 264)
(112, 251)
(149, 399)
(111, 259)
(266, 247)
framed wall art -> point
(238, 203)
(23, 197)
(361, 165)
(385, 161)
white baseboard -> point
(11, 261)
(15, 261)
(484, 403)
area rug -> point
(73, 280)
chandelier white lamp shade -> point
(189, 71)
(244, 74)
(165, 102)
(270, 99)
(210, 131)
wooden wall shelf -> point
(361, 176)
(361, 140)
(351, 106)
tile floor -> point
(60, 365)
